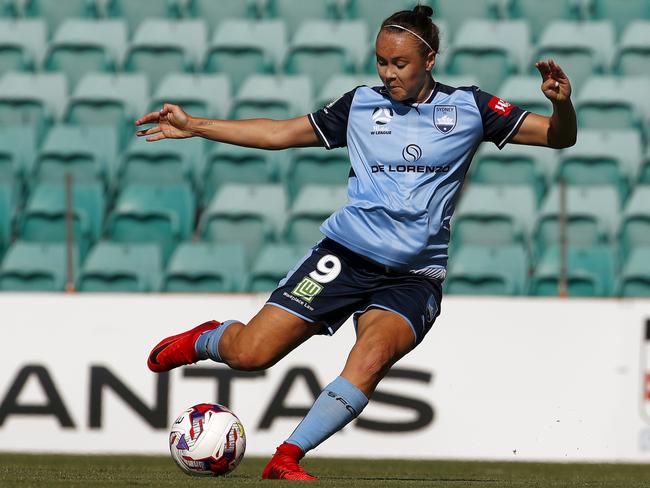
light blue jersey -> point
(408, 165)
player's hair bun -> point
(423, 10)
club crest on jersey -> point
(381, 118)
(444, 118)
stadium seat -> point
(581, 48)
(635, 224)
(312, 206)
(154, 213)
(456, 12)
(199, 95)
(7, 211)
(116, 267)
(242, 47)
(644, 172)
(621, 14)
(494, 215)
(54, 12)
(43, 219)
(316, 166)
(523, 91)
(104, 99)
(17, 151)
(273, 97)
(633, 53)
(338, 84)
(81, 46)
(216, 13)
(603, 157)
(165, 161)
(635, 276)
(478, 270)
(226, 163)
(206, 267)
(590, 272)
(593, 213)
(489, 50)
(136, 13)
(612, 103)
(457, 80)
(29, 266)
(295, 12)
(514, 165)
(538, 13)
(160, 47)
(87, 153)
(322, 48)
(22, 44)
(247, 214)
(272, 265)
(32, 99)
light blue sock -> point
(338, 404)
(207, 345)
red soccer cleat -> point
(177, 350)
(284, 465)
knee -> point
(250, 358)
(374, 359)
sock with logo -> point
(207, 344)
(337, 405)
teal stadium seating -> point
(29, 266)
(135, 13)
(117, 267)
(273, 263)
(314, 166)
(478, 270)
(312, 206)
(43, 219)
(621, 13)
(494, 215)
(537, 13)
(17, 151)
(590, 272)
(241, 47)
(295, 12)
(22, 44)
(635, 224)
(603, 157)
(200, 95)
(338, 84)
(153, 213)
(82, 46)
(273, 97)
(635, 276)
(321, 48)
(490, 50)
(644, 172)
(613, 103)
(236, 164)
(203, 267)
(166, 161)
(633, 54)
(54, 12)
(32, 99)
(524, 92)
(250, 214)
(593, 215)
(581, 48)
(162, 46)
(214, 13)
(86, 153)
(7, 212)
(456, 12)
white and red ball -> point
(207, 440)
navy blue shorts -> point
(332, 282)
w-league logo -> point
(382, 115)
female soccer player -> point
(384, 255)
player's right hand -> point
(171, 123)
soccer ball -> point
(207, 440)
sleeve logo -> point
(500, 106)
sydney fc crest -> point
(444, 118)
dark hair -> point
(419, 21)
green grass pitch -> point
(20, 470)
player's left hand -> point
(555, 84)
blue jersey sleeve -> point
(501, 120)
(331, 122)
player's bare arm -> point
(172, 122)
(560, 129)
